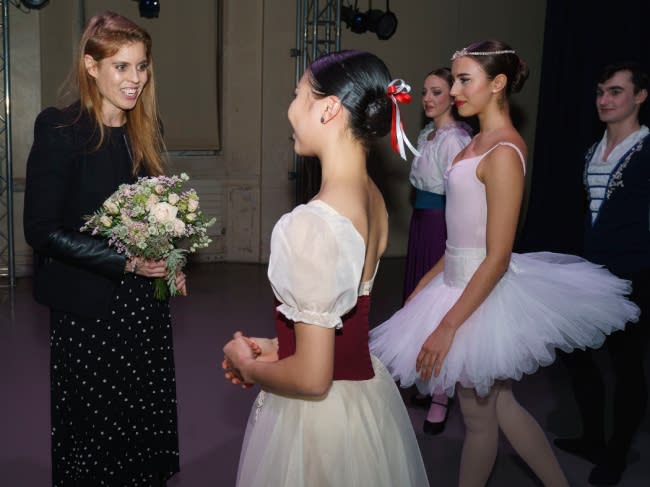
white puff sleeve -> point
(424, 134)
(428, 170)
(315, 265)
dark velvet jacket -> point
(67, 178)
(619, 239)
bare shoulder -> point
(349, 202)
(504, 159)
(378, 217)
(511, 136)
(377, 205)
(363, 205)
(502, 148)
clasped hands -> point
(241, 350)
(156, 268)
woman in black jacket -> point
(113, 397)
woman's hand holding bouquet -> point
(154, 222)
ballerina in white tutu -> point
(482, 315)
(329, 414)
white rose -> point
(164, 212)
(106, 221)
(184, 176)
(111, 207)
(159, 188)
(190, 217)
(151, 201)
(179, 227)
(173, 198)
(192, 205)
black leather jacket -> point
(67, 178)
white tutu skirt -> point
(358, 435)
(543, 302)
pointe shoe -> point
(436, 428)
(591, 451)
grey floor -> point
(212, 413)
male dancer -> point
(617, 235)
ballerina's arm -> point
(315, 268)
(308, 372)
(502, 173)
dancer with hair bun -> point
(329, 414)
(483, 315)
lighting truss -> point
(7, 264)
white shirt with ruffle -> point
(428, 169)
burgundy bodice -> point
(351, 353)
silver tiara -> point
(465, 52)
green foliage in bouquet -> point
(154, 219)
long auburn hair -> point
(104, 35)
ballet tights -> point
(483, 416)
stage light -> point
(355, 21)
(149, 8)
(382, 23)
(34, 4)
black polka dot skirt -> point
(113, 393)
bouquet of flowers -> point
(151, 219)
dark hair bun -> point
(520, 76)
(497, 57)
(359, 79)
(377, 117)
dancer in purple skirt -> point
(438, 143)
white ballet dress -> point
(544, 301)
(359, 434)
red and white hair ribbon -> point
(398, 91)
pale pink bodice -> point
(466, 210)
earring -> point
(322, 118)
